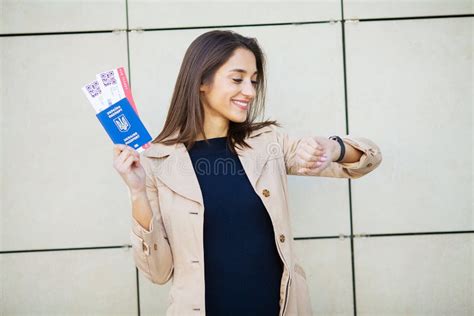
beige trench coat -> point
(173, 248)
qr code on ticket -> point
(93, 89)
(108, 78)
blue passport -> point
(123, 125)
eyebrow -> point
(240, 70)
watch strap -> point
(343, 147)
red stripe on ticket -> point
(126, 87)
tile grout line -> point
(389, 235)
(346, 111)
(137, 278)
(255, 25)
(243, 25)
(295, 238)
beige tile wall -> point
(409, 88)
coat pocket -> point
(302, 292)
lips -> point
(241, 104)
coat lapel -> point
(176, 170)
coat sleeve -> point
(371, 158)
(151, 249)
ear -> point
(203, 88)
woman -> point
(209, 197)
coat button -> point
(282, 238)
(266, 193)
(155, 246)
(369, 164)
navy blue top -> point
(242, 267)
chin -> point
(238, 119)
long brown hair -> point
(205, 55)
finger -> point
(315, 144)
(127, 163)
(302, 163)
(312, 154)
(314, 148)
(320, 151)
(136, 154)
(138, 163)
(312, 170)
(123, 156)
(132, 151)
(302, 170)
(305, 153)
(308, 171)
(307, 160)
(305, 157)
(323, 163)
(316, 164)
(117, 149)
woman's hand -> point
(314, 154)
(127, 163)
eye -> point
(240, 80)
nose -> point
(248, 89)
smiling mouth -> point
(241, 105)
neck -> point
(219, 128)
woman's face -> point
(233, 88)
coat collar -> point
(176, 170)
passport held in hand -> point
(123, 125)
(115, 108)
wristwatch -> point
(343, 147)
